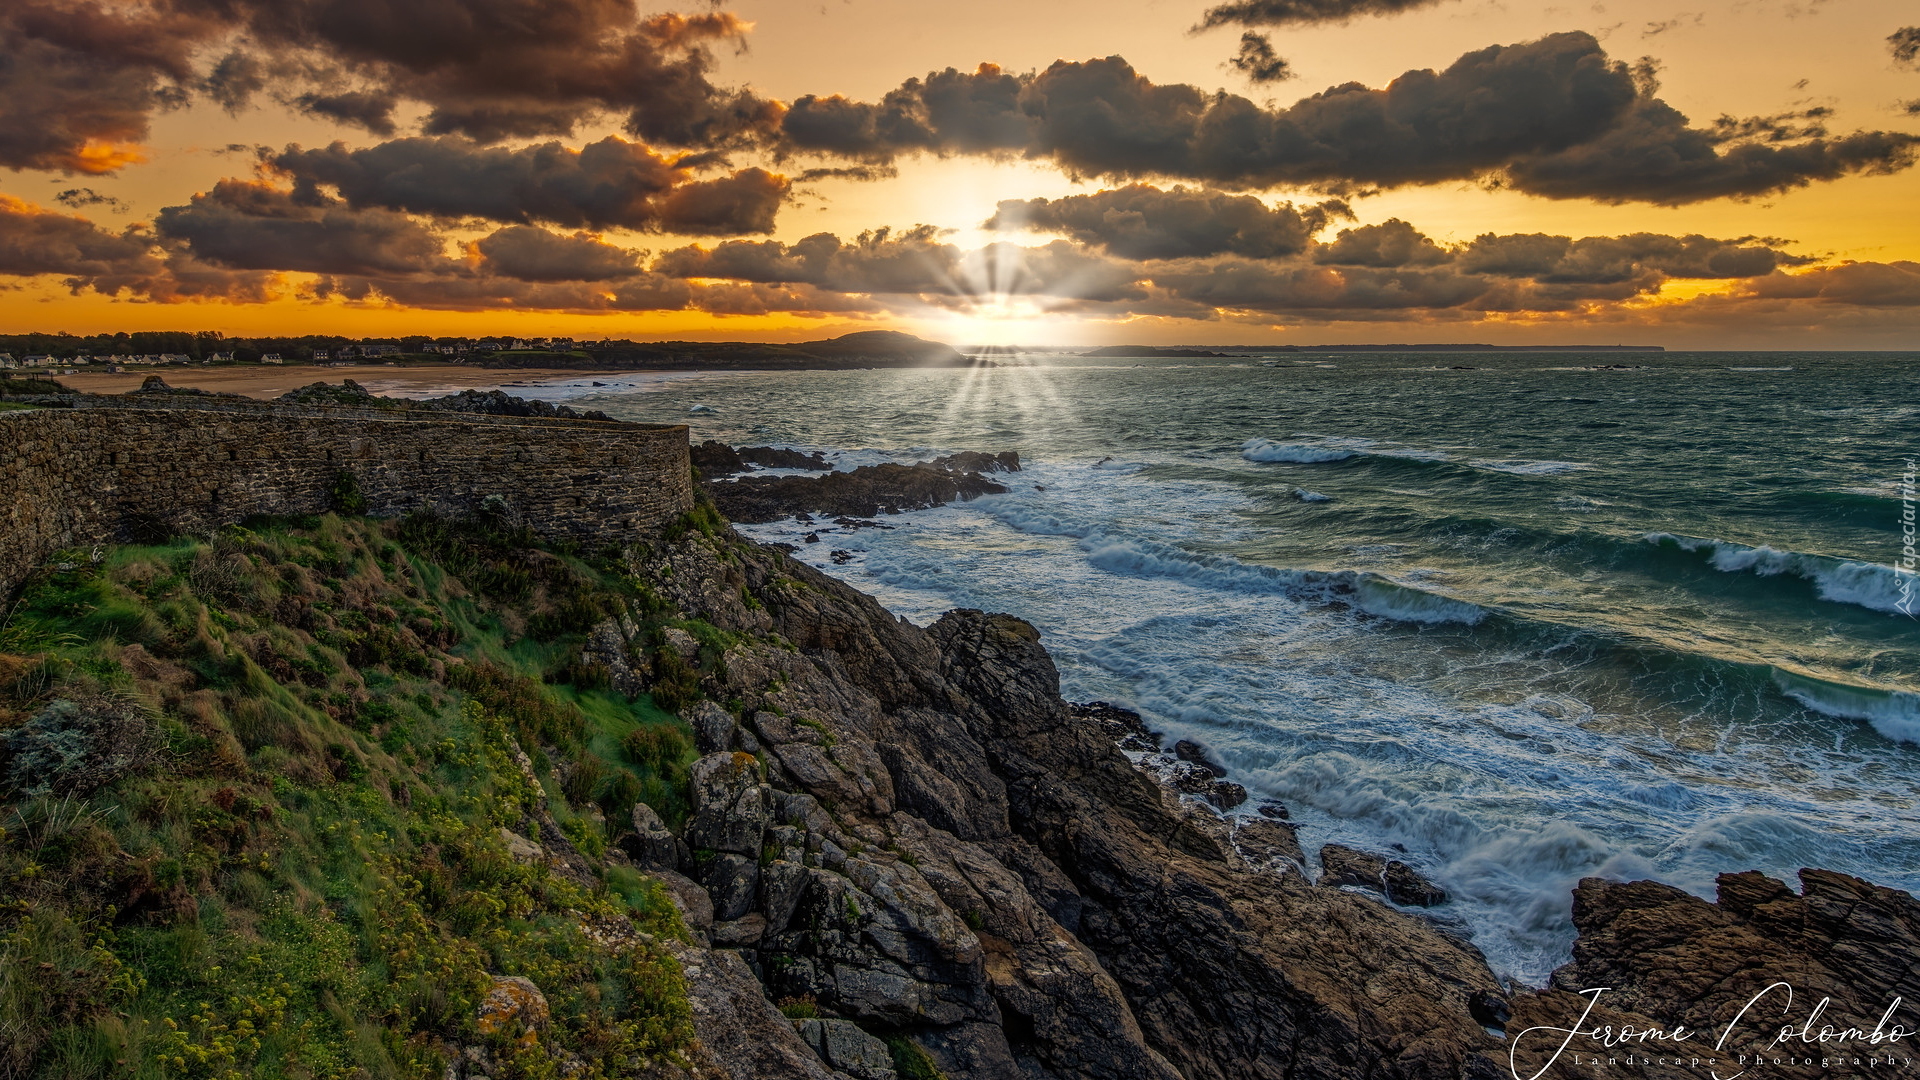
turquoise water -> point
(1530, 617)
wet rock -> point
(840, 556)
(863, 492)
(1124, 726)
(842, 1045)
(1396, 880)
(713, 458)
(1275, 811)
(731, 807)
(773, 457)
(1187, 750)
(1268, 844)
(976, 462)
(514, 1009)
(1490, 1009)
(1191, 778)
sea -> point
(1516, 618)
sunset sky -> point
(1737, 174)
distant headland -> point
(1240, 350)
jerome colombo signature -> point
(1744, 1029)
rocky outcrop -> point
(863, 492)
(1668, 958)
(1399, 882)
(911, 830)
(716, 459)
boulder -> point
(731, 807)
(1396, 880)
(651, 845)
(732, 881)
(841, 1044)
(713, 727)
(515, 1009)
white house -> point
(271, 358)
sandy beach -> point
(271, 382)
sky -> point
(1739, 174)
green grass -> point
(312, 881)
(16, 406)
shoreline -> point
(268, 382)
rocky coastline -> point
(911, 831)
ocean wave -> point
(1893, 713)
(1873, 586)
(1310, 496)
(1525, 467)
(1263, 450)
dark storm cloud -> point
(1302, 12)
(248, 226)
(369, 109)
(1391, 243)
(1554, 117)
(607, 184)
(528, 253)
(913, 262)
(81, 198)
(1143, 222)
(35, 241)
(77, 78)
(1895, 284)
(1258, 62)
(1605, 259)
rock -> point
(680, 643)
(1187, 750)
(773, 457)
(713, 727)
(732, 881)
(696, 907)
(744, 931)
(973, 461)
(1275, 811)
(863, 492)
(840, 556)
(1396, 880)
(1194, 779)
(841, 1044)
(741, 1035)
(1268, 844)
(521, 848)
(731, 807)
(515, 1009)
(1490, 1009)
(713, 458)
(1673, 957)
(501, 403)
(652, 845)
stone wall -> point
(126, 469)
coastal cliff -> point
(345, 797)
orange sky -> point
(1737, 58)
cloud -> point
(1904, 43)
(1302, 12)
(36, 241)
(1607, 259)
(80, 81)
(253, 226)
(81, 198)
(1863, 284)
(1392, 243)
(1553, 117)
(1144, 222)
(527, 253)
(611, 183)
(1258, 62)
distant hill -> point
(866, 349)
(1148, 350)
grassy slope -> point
(303, 872)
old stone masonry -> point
(118, 469)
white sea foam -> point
(1524, 467)
(1263, 450)
(1893, 713)
(1310, 496)
(1873, 586)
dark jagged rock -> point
(977, 462)
(501, 403)
(1670, 958)
(773, 457)
(863, 492)
(714, 458)
(1187, 750)
(1396, 880)
(955, 855)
